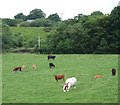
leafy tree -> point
(115, 18)
(96, 13)
(103, 47)
(115, 30)
(41, 23)
(18, 40)
(7, 40)
(36, 13)
(20, 16)
(54, 17)
(10, 22)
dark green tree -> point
(36, 13)
(114, 37)
(54, 17)
(96, 13)
(10, 22)
(20, 16)
(7, 39)
(41, 23)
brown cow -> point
(17, 68)
(57, 77)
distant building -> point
(30, 20)
(119, 3)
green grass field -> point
(40, 86)
(28, 32)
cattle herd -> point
(69, 82)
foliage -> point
(11, 22)
(29, 35)
(20, 16)
(86, 34)
(54, 17)
(95, 33)
(18, 40)
(7, 41)
(41, 23)
(25, 24)
(115, 28)
(36, 13)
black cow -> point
(113, 72)
(50, 56)
(51, 65)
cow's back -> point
(72, 81)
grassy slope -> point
(40, 87)
(28, 32)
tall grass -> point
(40, 86)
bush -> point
(25, 24)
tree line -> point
(38, 19)
(97, 33)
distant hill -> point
(29, 32)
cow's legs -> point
(68, 88)
(63, 79)
(74, 87)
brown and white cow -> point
(68, 83)
(16, 69)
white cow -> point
(68, 83)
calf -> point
(50, 56)
(34, 67)
(23, 68)
(113, 72)
(51, 65)
(57, 77)
(17, 68)
(99, 76)
(68, 83)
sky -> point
(65, 8)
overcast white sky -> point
(69, 8)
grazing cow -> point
(51, 65)
(113, 72)
(68, 83)
(23, 67)
(99, 76)
(34, 67)
(17, 68)
(50, 56)
(57, 77)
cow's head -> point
(65, 88)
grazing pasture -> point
(28, 32)
(40, 86)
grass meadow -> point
(40, 86)
(29, 32)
